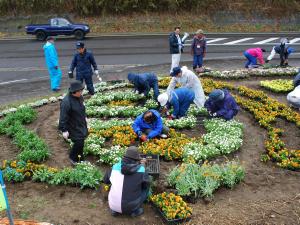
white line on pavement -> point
(215, 40)
(12, 81)
(294, 40)
(264, 41)
(238, 41)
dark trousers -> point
(76, 153)
(88, 79)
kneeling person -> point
(180, 99)
(129, 184)
(149, 125)
(221, 104)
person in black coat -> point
(72, 120)
(176, 47)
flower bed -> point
(222, 137)
(246, 73)
(278, 86)
(84, 174)
(202, 181)
(265, 110)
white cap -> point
(163, 99)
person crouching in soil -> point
(149, 125)
(130, 184)
(221, 104)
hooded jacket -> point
(156, 126)
(128, 179)
(226, 108)
(73, 117)
(143, 82)
(83, 64)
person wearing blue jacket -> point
(144, 82)
(149, 125)
(180, 99)
(52, 64)
(221, 104)
(284, 50)
(83, 61)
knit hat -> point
(76, 86)
(216, 95)
(176, 71)
(200, 31)
(163, 99)
(132, 152)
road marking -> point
(294, 40)
(215, 40)
(264, 41)
(238, 41)
(12, 81)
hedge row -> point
(100, 7)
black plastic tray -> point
(152, 164)
(169, 221)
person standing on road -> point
(198, 49)
(221, 104)
(187, 78)
(252, 55)
(52, 64)
(143, 82)
(180, 99)
(284, 50)
(72, 120)
(176, 47)
(83, 61)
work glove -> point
(99, 78)
(267, 61)
(97, 72)
(136, 92)
(65, 135)
(170, 117)
(143, 138)
(139, 133)
(142, 95)
(70, 73)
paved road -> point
(22, 60)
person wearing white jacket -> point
(294, 96)
(187, 78)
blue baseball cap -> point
(79, 44)
(175, 71)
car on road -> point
(57, 26)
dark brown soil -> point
(268, 195)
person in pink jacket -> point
(252, 55)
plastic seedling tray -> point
(152, 164)
(169, 221)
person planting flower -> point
(143, 83)
(180, 99)
(252, 55)
(149, 125)
(221, 104)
